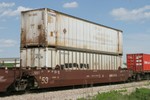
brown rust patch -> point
(49, 19)
(41, 35)
(23, 38)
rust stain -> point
(41, 36)
(49, 19)
(23, 38)
(60, 43)
(51, 34)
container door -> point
(51, 22)
(32, 28)
(138, 62)
(131, 62)
(33, 57)
(39, 56)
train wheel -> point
(129, 80)
(147, 77)
(138, 78)
(20, 85)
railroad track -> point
(73, 94)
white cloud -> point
(4, 5)
(7, 43)
(139, 14)
(10, 12)
(71, 5)
(9, 9)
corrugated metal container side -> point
(46, 28)
(138, 62)
(66, 59)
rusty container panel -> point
(68, 60)
(76, 33)
(45, 27)
(51, 32)
(33, 57)
(33, 28)
(38, 57)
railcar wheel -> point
(138, 77)
(129, 79)
(21, 85)
(32, 83)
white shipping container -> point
(45, 27)
(66, 59)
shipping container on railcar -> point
(47, 28)
(62, 50)
(67, 59)
(138, 62)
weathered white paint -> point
(51, 28)
(50, 57)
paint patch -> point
(2, 79)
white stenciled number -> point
(45, 80)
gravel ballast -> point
(74, 94)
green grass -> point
(139, 94)
(8, 64)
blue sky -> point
(131, 16)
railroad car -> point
(73, 50)
(139, 63)
(59, 50)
